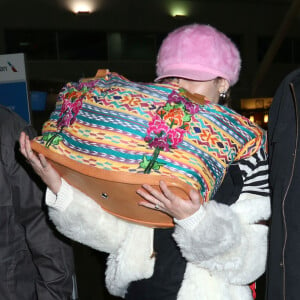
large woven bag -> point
(108, 135)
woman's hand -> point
(168, 202)
(40, 165)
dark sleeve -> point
(52, 256)
(231, 187)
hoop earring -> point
(222, 97)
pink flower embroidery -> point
(160, 142)
(176, 136)
(167, 128)
(174, 97)
(156, 126)
(72, 103)
(192, 108)
(69, 112)
(72, 97)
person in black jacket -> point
(34, 262)
(283, 270)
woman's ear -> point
(223, 85)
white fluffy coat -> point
(224, 247)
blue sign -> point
(13, 95)
(13, 84)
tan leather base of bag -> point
(115, 191)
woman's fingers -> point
(32, 158)
(195, 197)
(154, 193)
(168, 202)
(167, 193)
(157, 206)
(22, 143)
(28, 147)
(43, 161)
(40, 164)
(152, 196)
(25, 149)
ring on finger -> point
(157, 207)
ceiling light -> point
(179, 10)
(82, 7)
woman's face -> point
(210, 89)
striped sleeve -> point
(255, 174)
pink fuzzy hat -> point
(198, 52)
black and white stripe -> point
(255, 174)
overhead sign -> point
(13, 84)
(256, 103)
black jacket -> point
(34, 262)
(283, 270)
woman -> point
(217, 248)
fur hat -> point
(198, 52)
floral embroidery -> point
(52, 138)
(167, 128)
(72, 103)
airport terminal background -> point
(124, 36)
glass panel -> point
(82, 45)
(135, 46)
(36, 44)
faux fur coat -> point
(224, 246)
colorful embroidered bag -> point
(109, 135)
